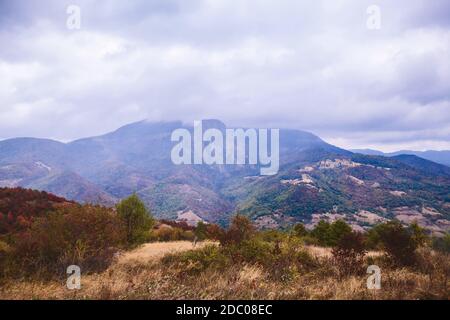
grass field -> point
(141, 274)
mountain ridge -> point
(438, 156)
(315, 179)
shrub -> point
(177, 224)
(271, 235)
(188, 235)
(250, 251)
(418, 234)
(310, 240)
(136, 218)
(280, 264)
(167, 233)
(398, 242)
(299, 230)
(4, 247)
(289, 259)
(349, 254)
(329, 234)
(442, 244)
(197, 261)
(18, 208)
(241, 229)
(214, 232)
(4, 251)
(436, 265)
(86, 236)
(305, 261)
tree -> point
(136, 218)
(241, 229)
(214, 232)
(201, 231)
(322, 233)
(398, 243)
(418, 234)
(338, 229)
(300, 230)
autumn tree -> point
(240, 229)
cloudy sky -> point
(312, 65)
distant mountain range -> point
(316, 180)
(442, 157)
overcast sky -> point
(311, 65)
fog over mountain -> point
(311, 65)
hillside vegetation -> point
(118, 262)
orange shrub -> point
(240, 229)
(86, 236)
(168, 233)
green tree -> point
(418, 234)
(398, 242)
(201, 231)
(322, 233)
(136, 218)
(300, 230)
(337, 230)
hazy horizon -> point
(100, 134)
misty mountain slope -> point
(441, 157)
(315, 180)
(423, 165)
(40, 176)
(140, 145)
(23, 150)
(74, 187)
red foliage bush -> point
(240, 229)
(19, 207)
(86, 236)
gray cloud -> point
(310, 65)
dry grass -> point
(140, 275)
(156, 250)
(322, 252)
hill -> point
(18, 207)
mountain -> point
(441, 157)
(315, 180)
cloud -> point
(309, 65)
